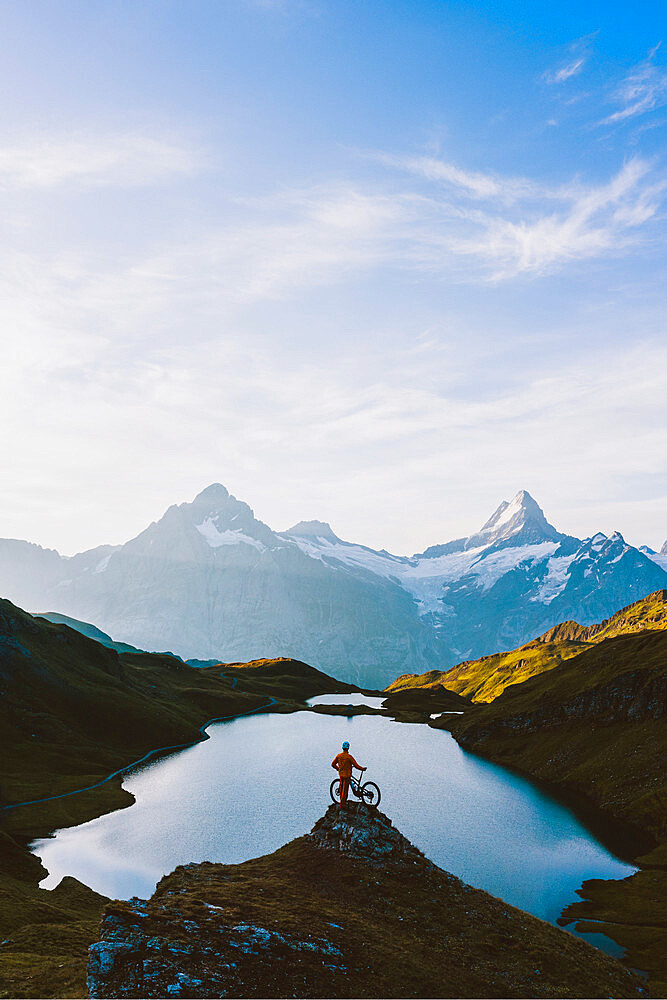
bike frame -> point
(355, 783)
(356, 787)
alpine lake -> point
(262, 780)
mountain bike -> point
(368, 792)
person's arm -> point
(358, 766)
(334, 763)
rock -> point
(351, 909)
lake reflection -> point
(260, 781)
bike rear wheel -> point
(371, 793)
(334, 790)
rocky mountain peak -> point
(603, 544)
(663, 550)
(519, 521)
(217, 504)
(214, 493)
(313, 529)
(223, 520)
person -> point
(343, 763)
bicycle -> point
(369, 792)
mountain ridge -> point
(210, 580)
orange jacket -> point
(344, 762)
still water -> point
(263, 780)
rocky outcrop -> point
(353, 909)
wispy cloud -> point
(513, 225)
(587, 222)
(644, 89)
(563, 73)
(573, 63)
(125, 159)
(474, 183)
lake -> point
(262, 780)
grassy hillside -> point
(423, 700)
(72, 712)
(485, 679)
(596, 728)
(350, 910)
(649, 613)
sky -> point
(382, 264)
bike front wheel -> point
(334, 790)
(371, 793)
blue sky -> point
(382, 264)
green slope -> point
(72, 711)
(485, 679)
(648, 613)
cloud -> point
(577, 57)
(328, 438)
(474, 183)
(589, 222)
(123, 159)
(644, 89)
(139, 377)
(563, 73)
(513, 225)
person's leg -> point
(344, 787)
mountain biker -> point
(343, 763)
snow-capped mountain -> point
(211, 580)
(657, 557)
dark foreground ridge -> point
(353, 909)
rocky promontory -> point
(352, 909)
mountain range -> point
(210, 580)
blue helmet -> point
(346, 745)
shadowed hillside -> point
(71, 713)
(350, 910)
(595, 727)
(582, 709)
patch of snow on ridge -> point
(215, 538)
(555, 581)
(102, 564)
(490, 569)
(658, 558)
(320, 547)
(426, 578)
(515, 506)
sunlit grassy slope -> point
(485, 679)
